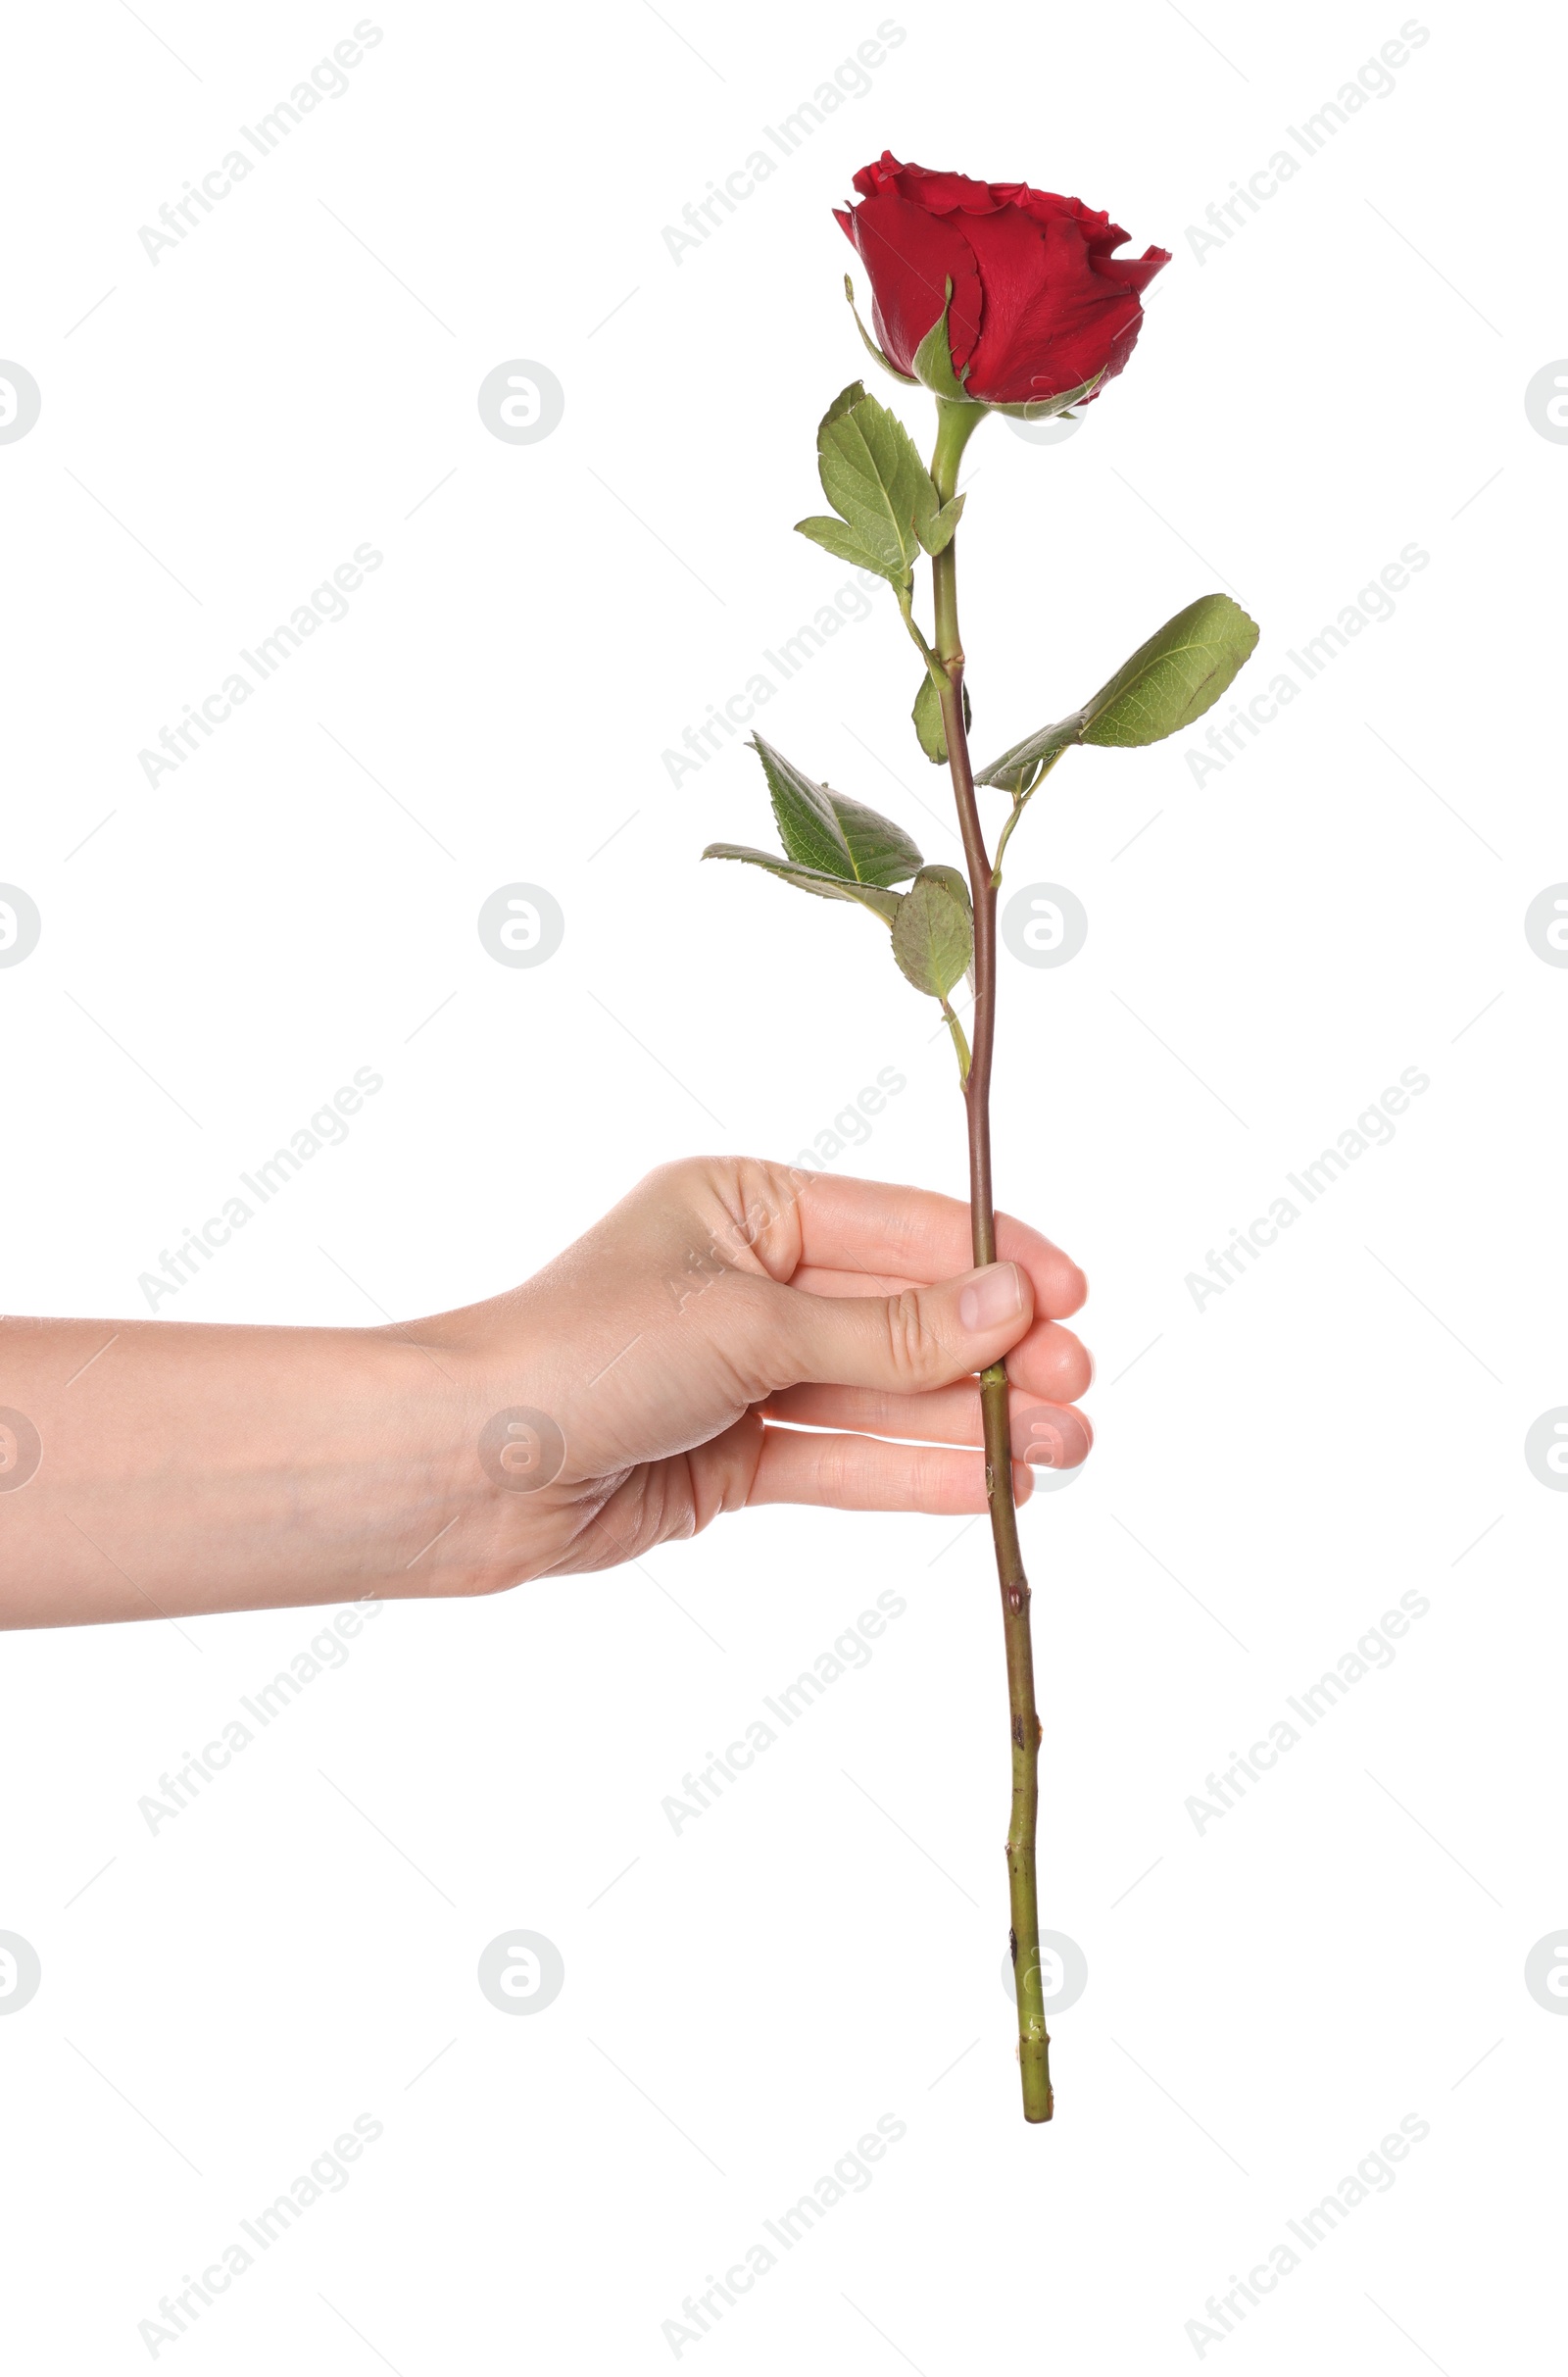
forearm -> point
(182, 1469)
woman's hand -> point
(670, 1363)
(733, 1333)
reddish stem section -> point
(955, 423)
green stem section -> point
(1020, 801)
(1004, 839)
(960, 1044)
(956, 423)
(905, 601)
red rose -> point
(1039, 303)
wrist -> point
(480, 1450)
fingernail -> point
(993, 1296)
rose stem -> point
(955, 424)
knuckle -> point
(748, 1333)
(667, 1180)
(838, 1464)
(915, 1354)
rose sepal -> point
(891, 369)
(1049, 408)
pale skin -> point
(732, 1333)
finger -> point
(1049, 1362)
(1050, 1435)
(920, 1338)
(862, 1473)
(817, 1281)
(852, 1226)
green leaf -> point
(880, 851)
(1170, 681)
(803, 814)
(875, 480)
(938, 531)
(1173, 678)
(884, 904)
(1016, 765)
(825, 830)
(933, 932)
(871, 347)
(836, 537)
(927, 716)
(932, 360)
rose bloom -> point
(1040, 302)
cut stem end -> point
(1033, 2066)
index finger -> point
(858, 1227)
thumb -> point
(906, 1342)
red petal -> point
(1099, 231)
(873, 179)
(1053, 317)
(911, 257)
(938, 193)
(949, 194)
(1134, 272)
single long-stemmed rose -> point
(997, 298)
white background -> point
(1266, 2000)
